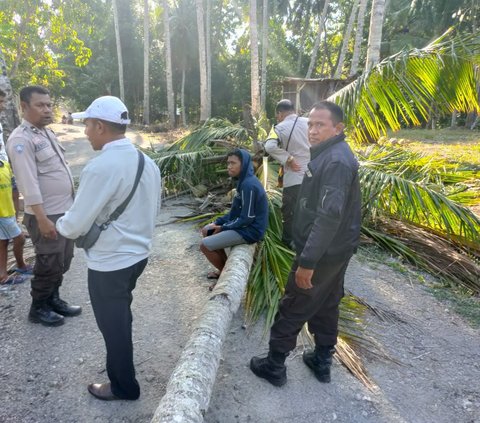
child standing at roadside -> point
(9, 229)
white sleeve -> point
(95, 191)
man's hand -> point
(45, 225)
(47, 228)
(293, 164)
(303, 278)
(207, 230)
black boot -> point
(62, 307)
(41, 312)
(271, 368)
(320, 361)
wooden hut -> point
(305, 92)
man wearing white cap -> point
(121, 199)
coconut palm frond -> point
(351, 360)
(412, 165)
(437, 255)
(185, 169)
(394, 245)
(267, 278)
(430, 252)
(212, 130)
(453, 179)
(409, 201)
(404, 88)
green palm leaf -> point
(403, 88)
(389, 194)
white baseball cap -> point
(107, 108)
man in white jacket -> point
(288, 144)
(120, 254)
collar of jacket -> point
(317, 149)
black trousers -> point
(289, 201)
(318, 306)
(52, 258)
(111, 297)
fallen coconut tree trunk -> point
(191, 383)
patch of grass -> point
(458, 145)
(374, 255)
(460, 301)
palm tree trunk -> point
(146, 64)
(254, 68)
(202, 57)
(346, 39)
(375, 33)
(208, 51)
(119, 50)
(10, 113)
(263, 87)
(358, 37)
(453, 121)
(168, 61)
(182, 96)
(191, 383)
(321, 24)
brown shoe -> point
(102, 391)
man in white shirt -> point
(120, 254)
(288, 144)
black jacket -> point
(327, 216)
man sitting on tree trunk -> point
(247, 219)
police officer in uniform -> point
(44, 179)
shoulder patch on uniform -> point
(19, 148)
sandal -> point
(15, 279)
(213, 275)
(28, 270)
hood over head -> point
(247, 166)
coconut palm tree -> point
(146, 63)
(168, 64)
(375, 33)
(263, 79)
(254, 60)
(119, 50)
(404, 87)
(11, 115)
(362, 8)
(321, 27)
(202, 57)
(346, 39)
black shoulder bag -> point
(90, 238)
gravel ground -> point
(436, 380)
(44, 371)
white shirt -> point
(105, 183)
(298, 147)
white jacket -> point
(105, 182)
(298, 147)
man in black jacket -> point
(326, 232)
